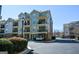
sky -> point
(61, 14)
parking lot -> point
(60, 46)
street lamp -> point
(22, 27)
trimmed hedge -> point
(6, 45)
(13, 44)
(19, 43)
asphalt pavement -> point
(60, 46)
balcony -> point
(26, 26)
(26, 23)
(43, 21)
(15, 33)
(15, 23)
(42, 29)
(42, 17)
(41, 25)
(1, 31)
(2, 26)
(15, 30)
(27, 29)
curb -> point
(26, 51)
(49, 41)
(77, 41)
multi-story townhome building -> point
(37, 24)
(0, 11)
(41, 24)
(2, 28)
(71, 29)
(66, 30)
(8, 27)
(24, 25)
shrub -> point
(19, 43)
(53, 37)
(6, 45)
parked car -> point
(39, 38)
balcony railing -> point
(2, 26)
(42, 30)
(2, 31)
(42, 17)
(42, 22)
(26, 30)
(15, 23)
(27, 23)
(14, 33)
(15, 30)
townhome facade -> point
(2, 28)
(37, 24)
(41, 24)
(0, 11)
(71, 29)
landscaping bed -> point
(13, 45)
